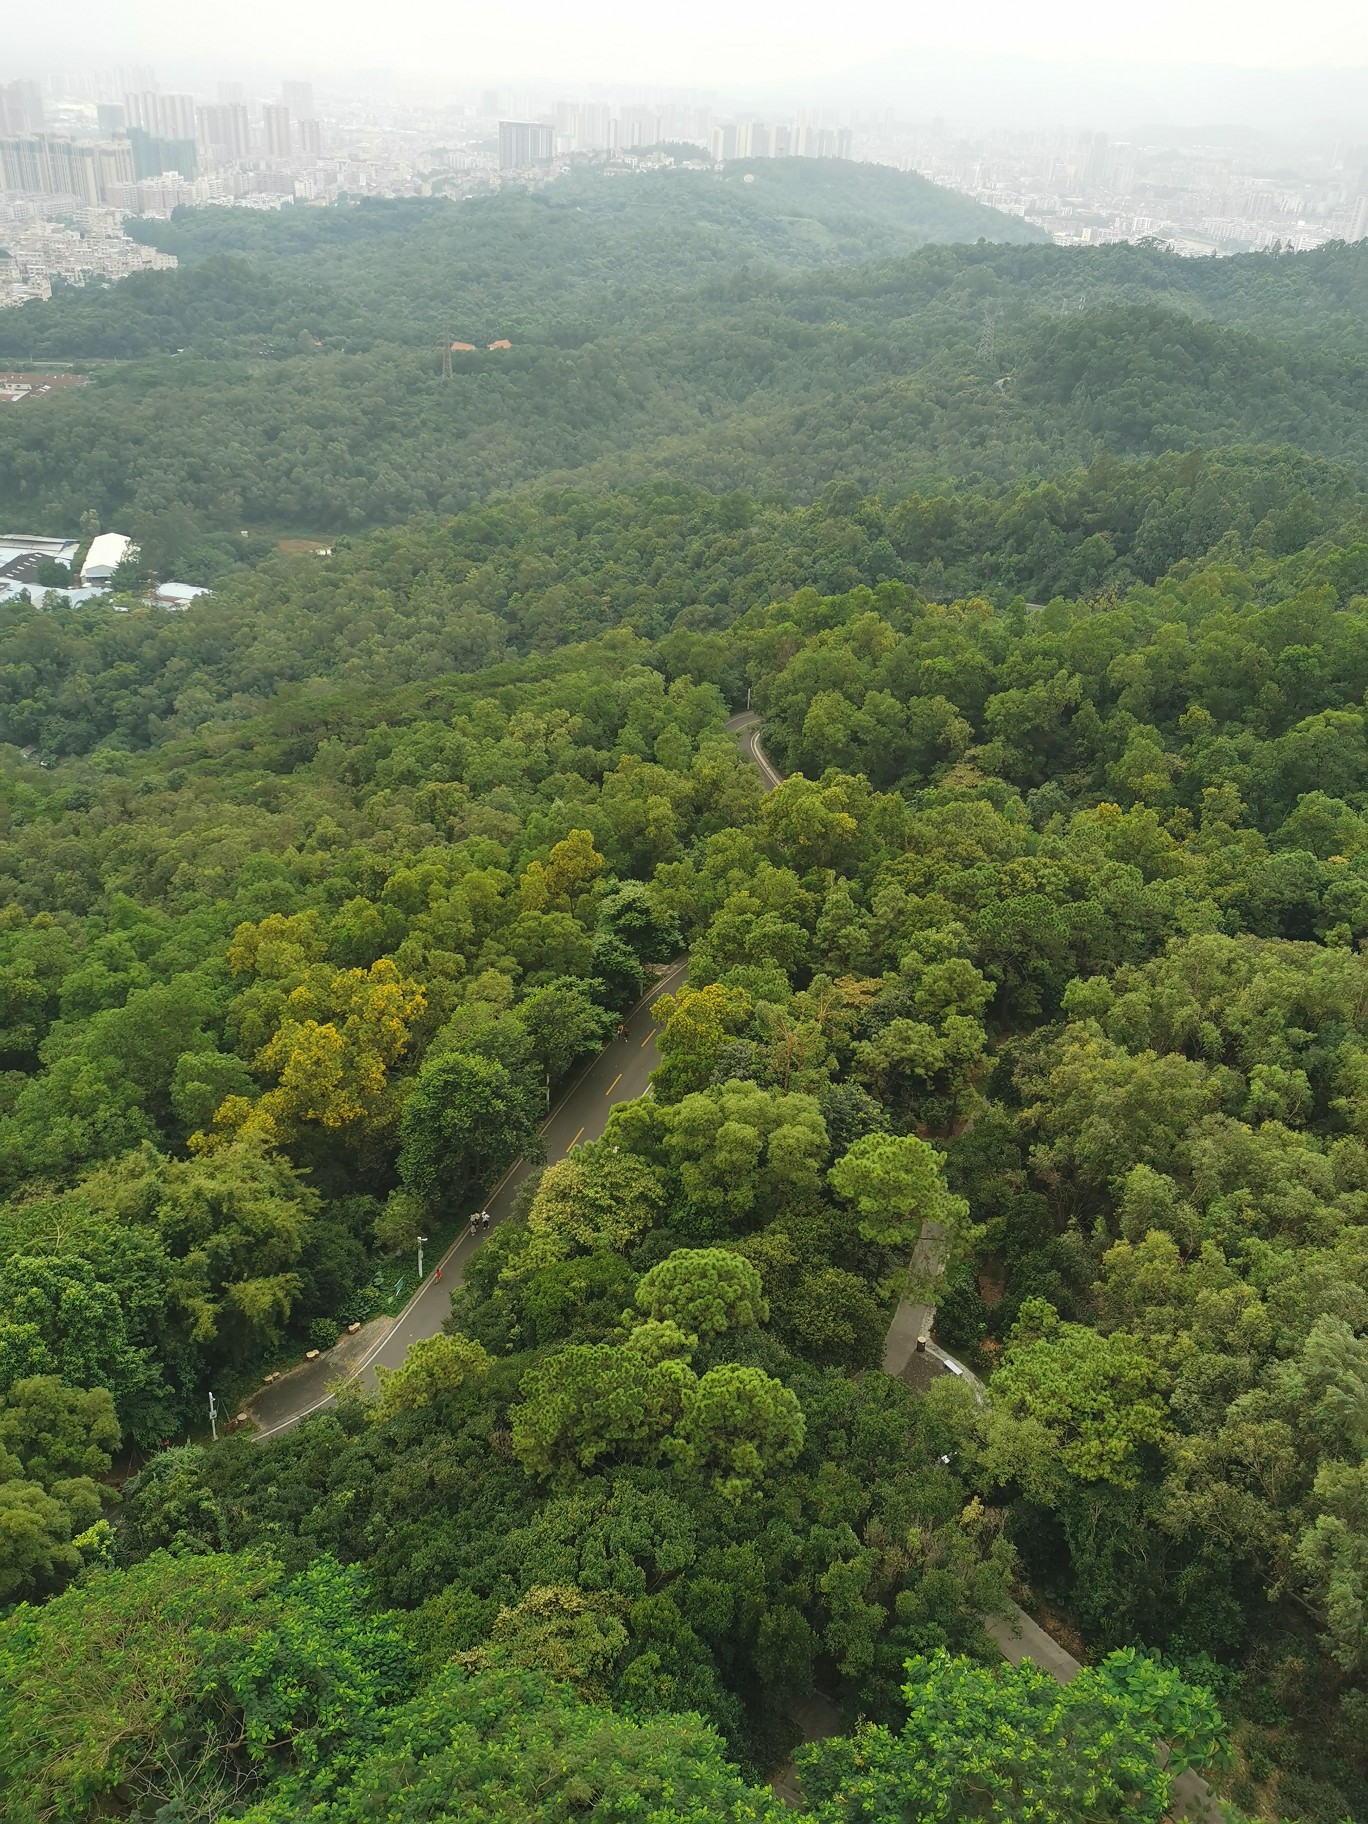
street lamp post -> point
(213, 1417)
(422, 1242)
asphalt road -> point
(746, 728)
(620, 1072)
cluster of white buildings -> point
(41, 244)
(22, 560)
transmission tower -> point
(985, 347)
(444, 349)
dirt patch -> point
(1057, 1626)
(301, 547)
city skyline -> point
(85, 147)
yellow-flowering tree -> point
(331, 1056)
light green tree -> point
(434, 1368)
(704, 1291)
(739, 1426)
(464, 1120)
(1008, 1743)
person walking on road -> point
(485, 1220)
(474, 1224)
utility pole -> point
(213, 1417)
(422, 1242)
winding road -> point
(620, 1072)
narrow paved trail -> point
(1017, 1635)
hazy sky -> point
(717, 43)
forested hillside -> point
(1046, 574)
(769, 337)
(1054, 935)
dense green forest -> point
(1054, 934)
(768, 335)
(1053, 938)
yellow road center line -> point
(613, 1085)
(646, 1041)
(571, 1146)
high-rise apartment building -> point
(638, 127)
(140, 109)
(37, 164)
(42, 164)
(164, 116)
(21, 107)
(113, 162)
(275, 129)
(111, 117)
(525, 142)
(298, 97)
(597, 128)
(225, 132)
(153, 154)
(177, 117)
(311, 139)
(723, 143)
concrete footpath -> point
(1018, 1635)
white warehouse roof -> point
(177, 595)
(105, 555)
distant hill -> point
(404, 271)
(772, 336)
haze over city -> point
(1212, 128)
(760, 42)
